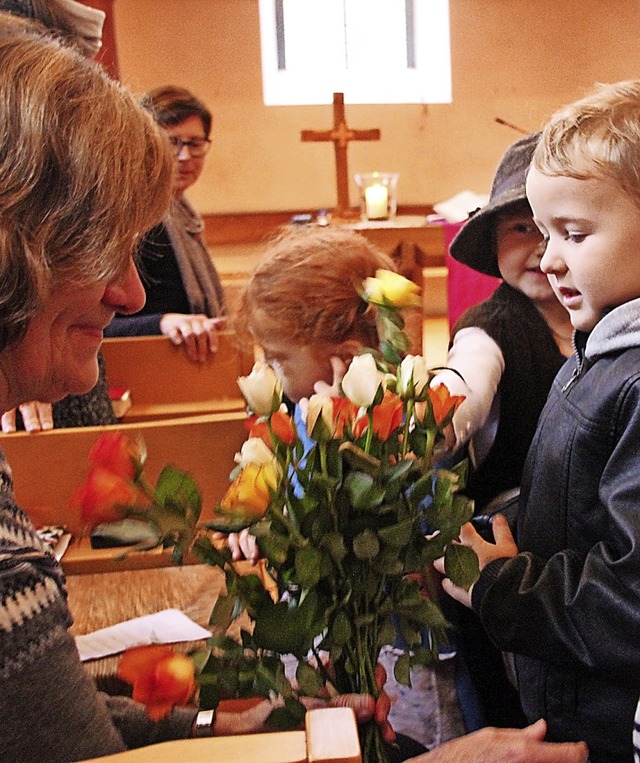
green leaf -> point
(366, 545)
(359, 460)
(461, 565)
(273, 545)
(308, 560)
(388, 563)
(289, 629)
(335, 546)
(228, 521)
(176, 487)
(209, 554)
(398, 535)
(309, 680)
(363, 491)
(402, 669)
(225, 611)
(341, 629)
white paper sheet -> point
(166, 627)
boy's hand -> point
(504, 546)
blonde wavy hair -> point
(596, 137)
(308, 286)
(84, 172)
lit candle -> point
(376, 198)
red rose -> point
(103, 496)
(160, 678)
(115, 452)
(387, 417)
(444, 404)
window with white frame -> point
(373, 51)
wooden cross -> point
(341, 135)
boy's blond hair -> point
(596, 137)
(308, 286)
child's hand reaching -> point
(339, 368)
(243, 545)
(504, 546)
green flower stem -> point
(367, 444)
(286, 522)
(405, 430)
(322, 450)
(146, 488)
(431, 440)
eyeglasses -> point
(198, 147)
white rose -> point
(413, 376)
(261, 389)
(362, 380)
(254, 451)
(319, 408)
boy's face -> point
(520, 247)
(592, 256)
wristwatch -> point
(204, 723)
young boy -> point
(566, 601)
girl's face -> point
(188, 167)
(592, 229)
(520, 247)
(298, 367)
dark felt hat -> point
(22, 8)
(474, 245)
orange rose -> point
(250, 492)
(160, 678)
(282, 426)
(115, 452)
(344, 411)
(444, 404)
(387, 417)
(103, 496)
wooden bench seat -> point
(164, 383)
(48, 467)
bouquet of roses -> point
(349, 513)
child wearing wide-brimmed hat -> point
(508, 350)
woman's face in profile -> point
(188, 166)
(58, 354)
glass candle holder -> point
(378, 194)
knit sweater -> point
(49, 705)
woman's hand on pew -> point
(36, 417)
(198, 333)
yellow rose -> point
(250, 492)
(391, 288)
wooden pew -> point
(49, 466)
(164, 383)
(330, 736)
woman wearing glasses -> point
(185, 299)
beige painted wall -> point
(517, 59)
